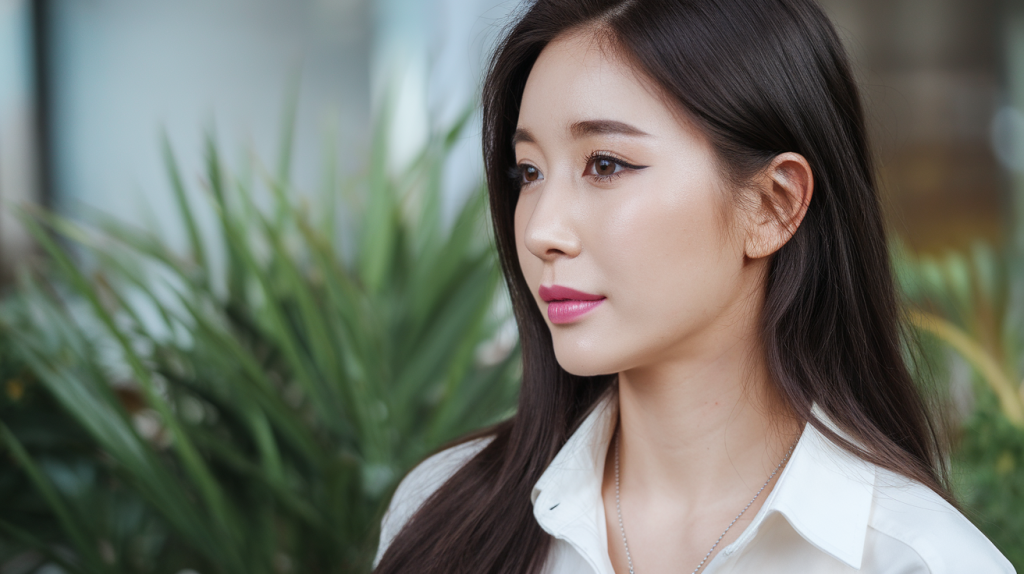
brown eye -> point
(605, 167)
(529, 173)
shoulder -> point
(428, 476)
(914, 527)
(420, 483)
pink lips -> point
(565, 305)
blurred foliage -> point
(249, 413)
(989, 470)
(971, 307)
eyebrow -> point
(522, 135)
(585, 128)
(604, 127)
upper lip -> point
(560, 293)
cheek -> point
(673, 256)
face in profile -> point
(627, 234)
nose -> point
(550, 231)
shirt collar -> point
(567, 499)
(824, 492)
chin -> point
(585, 362)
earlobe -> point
(784, 193)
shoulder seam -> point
(924, 546)
(927, 566)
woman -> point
(685, 210)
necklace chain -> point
(622, 528)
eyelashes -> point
(597, 165)
(599, 161)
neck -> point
(704, 425)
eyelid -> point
(516, 173)
(601, 154)
(598, 155)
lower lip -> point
(561, 312)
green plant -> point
(55, 440)
(988, 470)
(971, 306)
(253, 416)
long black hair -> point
(759, 78)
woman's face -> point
(622, 202)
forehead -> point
(581, 77)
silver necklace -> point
(618, 505)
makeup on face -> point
(618, 217)
(566, 305)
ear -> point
(783, 192)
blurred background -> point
(219, 135)
(85, 87)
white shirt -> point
(830, 512)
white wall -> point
(17, 142)
(124, 68)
